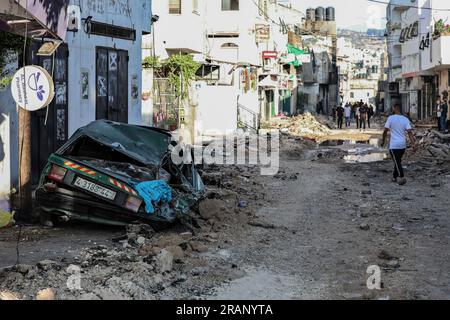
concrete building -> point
(361, 60)
(97, 72)
(320, 75)
(242, 46)
(418, 55)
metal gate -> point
(112, 85)
(166, 111)
(49, 126)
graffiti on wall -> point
(116, 7)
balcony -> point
(441, 49)
(396, 62)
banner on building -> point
(262, 32)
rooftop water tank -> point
(320, 14)
(311, 14)
(330, 14)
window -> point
(209, 72)
(352, 95)
(195, 6)
(174, 6)
(230, 5)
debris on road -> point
(433, 144)
(8, 296)
(305, 125)
(46, 295)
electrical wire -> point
(408, 6)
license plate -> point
(95, 188)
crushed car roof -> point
(144, 144)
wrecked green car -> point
(114, 173)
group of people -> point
(442, 113)
(360, 111)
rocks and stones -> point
(164, 261)
(364, 227)
(47, 264)
(385, 255)
(197, 246)
(212, 208)
(9, 296)
(176, 251)
(140, 241)
(46, 295)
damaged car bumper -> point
(116, 173)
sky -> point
(358, 15)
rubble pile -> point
(164, 261)
(433, 144)
(305, 125)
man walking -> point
(399, 126)
(340, 116)
(439, 113)
(444, 112)
(347, 114)
(363, 111)
(370, 114)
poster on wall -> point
(134, 87)
(84, 85)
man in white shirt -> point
(347, 114)
(398, 125)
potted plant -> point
(441, 28)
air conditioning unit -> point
(394, 88)
(74, 18)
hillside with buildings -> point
(362, 61)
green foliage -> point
(151, 62)
(8, 43)
(181, 72)
(440, 26)
(179, 69)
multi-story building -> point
(418, 42)
(320, 75)
(96, 70)
(247, 74)
(360, 67)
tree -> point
(9, 43)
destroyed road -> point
(310, 232)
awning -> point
(268, 83)
(41, 18)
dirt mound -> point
(305, 125)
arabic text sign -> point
(32, 88)
(262, 32)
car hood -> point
(144, 144)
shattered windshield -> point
(145, 145)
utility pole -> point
(25, 181)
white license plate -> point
(95, 188)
